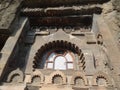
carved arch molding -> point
(54, 45)
(16, 76)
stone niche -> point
(30, 87)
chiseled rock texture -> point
(59, 44)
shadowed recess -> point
(57, 3)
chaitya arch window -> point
(79, 81)
(59, 60)
(59, 55)
(57, 79)
(101, 81)
(36, 79)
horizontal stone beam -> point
(32, 12)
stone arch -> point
(37, 73)
(59, 73)
(18, 74)
(81, 75)
(53, 45)
(101, 75)
(57, 79)
(36, 79)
